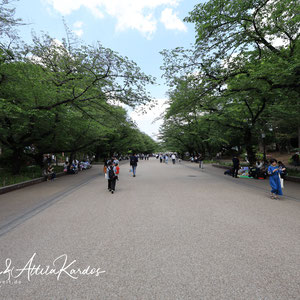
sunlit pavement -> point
(172, 232)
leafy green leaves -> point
(245, 64)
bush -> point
(293, 172)
(27, 173)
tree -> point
(57, 100)
(237, 69)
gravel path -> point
(172, 232)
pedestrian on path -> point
(173, 158)
(274, 172)
(200, 161)
(112, 176)
(236, 166)
(105, 166)
(133, 163)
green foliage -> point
(55, 97)
(237, 83)
(293, 172)
(26, 173)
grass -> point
(27, 173)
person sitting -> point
(65, 167)
(259, 164)
(253, 172)
(45, 173)
(51, 173)
(71, 169)
(229, 172)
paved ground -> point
(173, 232)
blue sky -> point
(138, 29)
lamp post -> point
(263, 135)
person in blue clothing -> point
(274, 172)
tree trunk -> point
(17, 161)
(251, 154)
(98, 153)
(72, 155)
(299, 137)
(39, 159)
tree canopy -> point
(243, 69)
(65, 97)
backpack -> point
(111, 173)
(132, 160)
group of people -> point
(143, 156)
(75, 166)
(198, 159)
(164, 158)
(111, 170)
(70, 167)
(275, 170)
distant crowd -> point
(164, 158)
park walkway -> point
(173, 232)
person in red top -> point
(117, 169)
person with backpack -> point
(133, 163)
(112, 176)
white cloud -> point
(78, 28)
(130, 14)
(78, 24)
(171, 21)
(149, 122)
(65, 7)
(78, 32)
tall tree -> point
(246, 61)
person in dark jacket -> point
(236, 166)
(133, 163)
(112, 176)
(282, 168)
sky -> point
(138, 29)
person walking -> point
(133, 163)
(112, 176)
(166, 158)
(274, 172)
(105, 167)
(283, 169)
(200, 161)
(236, 166)
(173, 158)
